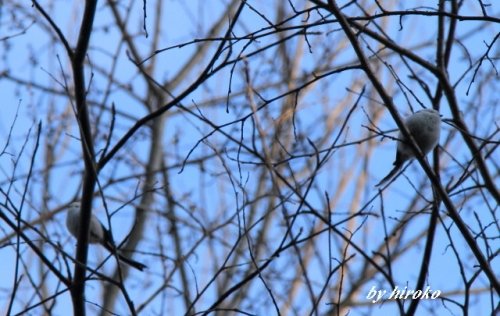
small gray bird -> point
(98, 234)
(424, 126)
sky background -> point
(32, 56)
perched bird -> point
(424, 126)
(98, 234)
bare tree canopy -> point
(230, 149)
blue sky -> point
(181, 24)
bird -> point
(98, 234)
(425, 127)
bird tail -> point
(134, 264)
(390, 175)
